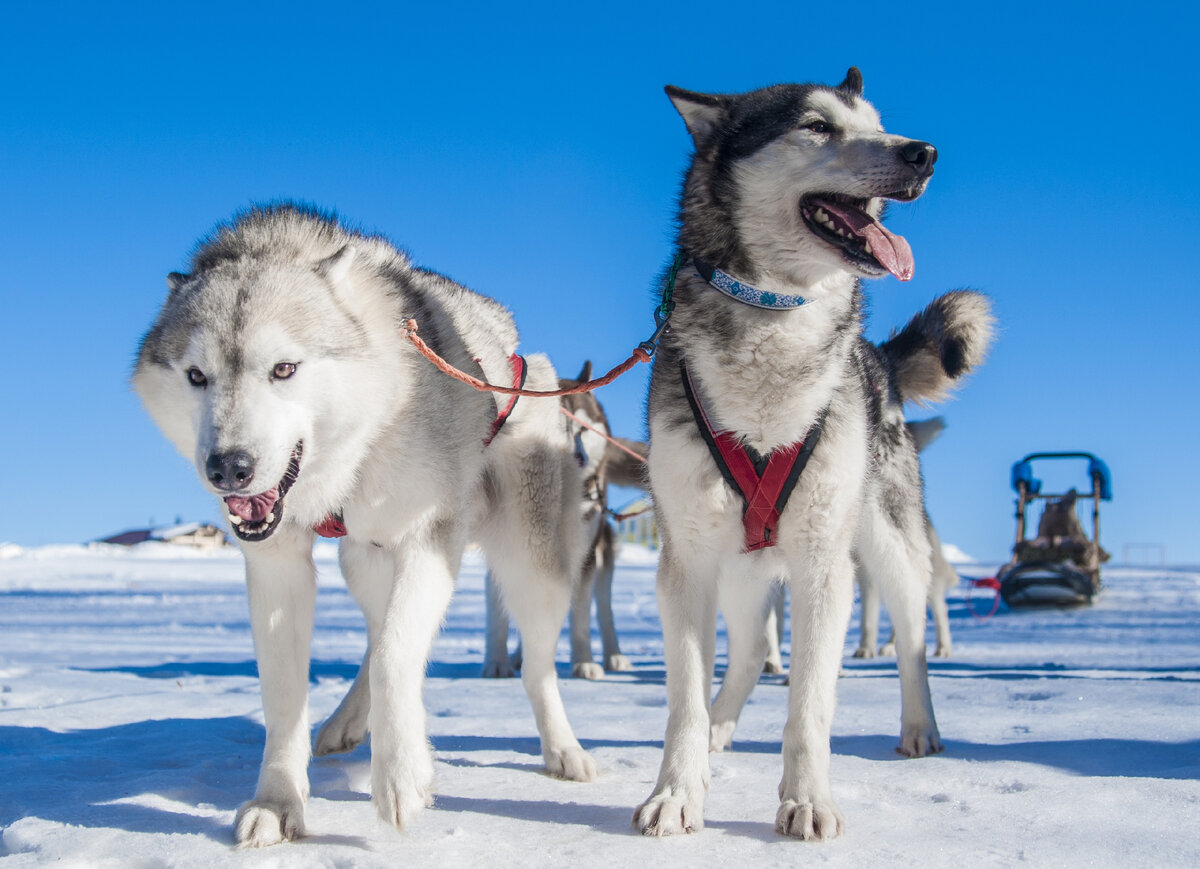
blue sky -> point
(529, 152)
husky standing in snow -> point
(777, 438)
(279, 366)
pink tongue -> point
(255, 508)
(890, 250)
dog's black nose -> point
(920, 156)
(230, 472)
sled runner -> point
(1061, 565)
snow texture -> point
(130, 731)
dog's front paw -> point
(812, 820)
(572, 763)
(919, 740)
(587, 670)
(864, 652)
(720, 735)
(401, 791)
(670, 812)
(617, 664)
(268, 822)
(887, 650)
(941, 651)
(773, 668)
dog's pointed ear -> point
(585, 373)
(336, 267)
(703, 113)
(175, 282)
(853, 82)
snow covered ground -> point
(130, 731)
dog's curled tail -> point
(939, 345)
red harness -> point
(334, 526)
(519, 371)
(764, 482)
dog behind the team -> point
(764, 368)
(603, 464)
(944, 578)
(279, 366)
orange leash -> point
(616, 443)
(410, 332)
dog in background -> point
(603, 464)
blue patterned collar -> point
(745, 293)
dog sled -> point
(1060, 566)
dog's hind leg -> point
(820, 614)
(687, 603)
(744, 602)
(868, 593)
(583, 666)
(368, 571)
(538, 600)
(899, 562)
(774, 629)
(346, 728)
(606, 554)
(497, 664)
(944, 579)
(282, 587)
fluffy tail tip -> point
(941, 344)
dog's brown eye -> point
(283, 370)
(196, 377)
(818, 127)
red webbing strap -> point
(765, 494)
(761, 494)
(519, 372)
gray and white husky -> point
(279, 366)
(779, 221)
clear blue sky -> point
(529, 152)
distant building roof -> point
(188, 532)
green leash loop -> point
(662, 314)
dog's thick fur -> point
(279, 366)
(763, 164)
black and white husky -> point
(777, 439)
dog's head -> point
(589, 443)
(238, 372)
(791, 181)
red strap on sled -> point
(334, 526)
(764, 482)
(519, 372)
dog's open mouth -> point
(255, 518)
(844, 223)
